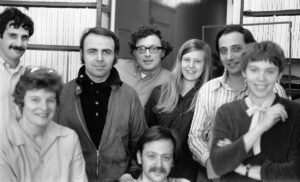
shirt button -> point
(97, 92)
(97, 114)
(96, 102)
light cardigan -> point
(59, 159)
(280, 145)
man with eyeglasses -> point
(148, 49)
(15, 30)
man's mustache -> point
(158, 169)
(17, 48)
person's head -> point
(149, 48)
(15, 30)
(262, 66)
(193, 62)
(99, 48)
(231, 42)
(156, 151)
(37, 94)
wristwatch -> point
(248, 166)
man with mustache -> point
(156, 151)
(15, 30)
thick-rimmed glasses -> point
(152, 49)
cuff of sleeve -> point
(204, 158)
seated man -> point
(257, 138)
(156, 151)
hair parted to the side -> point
(264, 51)
(248, 37)
(103, 32)
(170, 91)
(145, 31)
(156, 133)
(14, 17)
(37, 78)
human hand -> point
(127, 178)
(224, 142)
(272, 115)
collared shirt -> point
(168, 180)
(211, 96)
(59, 158)
(8, 79)
(130, 73)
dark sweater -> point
(280, 145)
(179, 120)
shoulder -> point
(211, 84)
(64, 131)
(124, 64)
(178, 180)
(233, 106)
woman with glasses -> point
(172, 104)
(35, 148)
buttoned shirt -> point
(130, 73)
(8, 79)
(211, 96)
(59, 158)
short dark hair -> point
(158, 133)
(103, 32)
(266, 51)
(18, 19)
(146, 31)
(37, 78)
(248, 37)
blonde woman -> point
(172, 104)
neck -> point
(35, 133)
(236, 82)
(187, 86)
(149, 72)
(12, 63)
(259, 101)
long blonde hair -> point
(170, 91)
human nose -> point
(44, 105)
(229, 55)
(191, 63)
(159, 162)
(147, 53)
(261, 75)
(99, 56)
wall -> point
(188, 21)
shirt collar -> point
(16, 133)
(113, 79)
(4, 65)
(150, 75)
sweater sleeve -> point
(225, 159)
(137, 127)
(151, 103)
(288, 170)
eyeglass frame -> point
(148, 48)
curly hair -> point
(17, 19)
(146, 31)
(37, 78)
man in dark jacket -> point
(105, 112)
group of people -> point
(134, 121)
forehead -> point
(231, 39)
(148, 41)
(162, 146)
(195, 53)
(40, 93)
(99, 42)
(262, 64)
